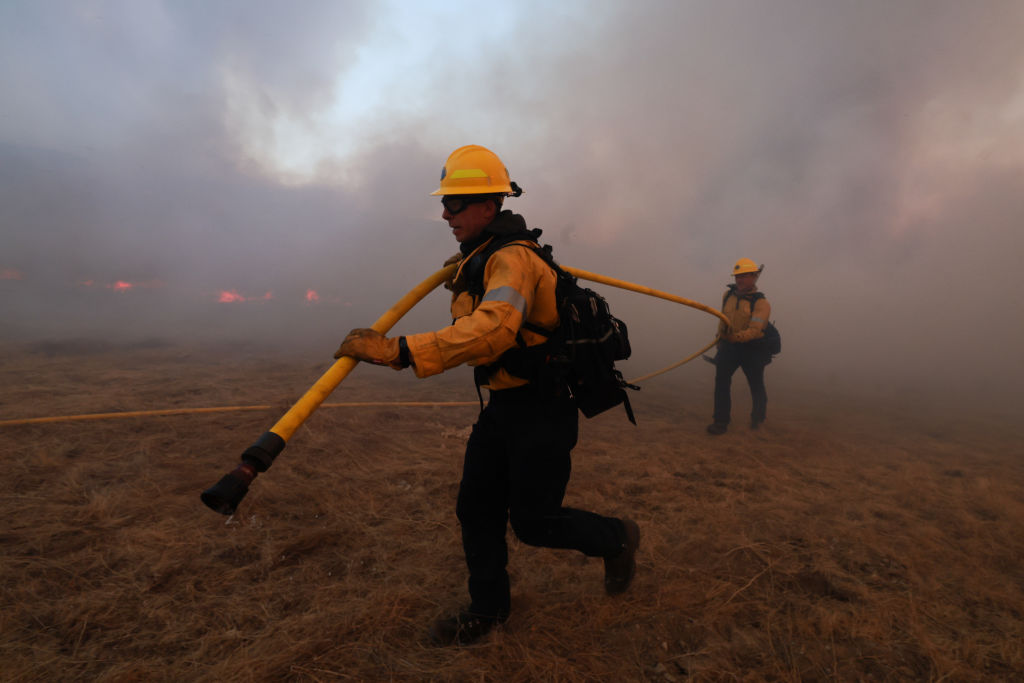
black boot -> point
(464, 629)
(620, 568)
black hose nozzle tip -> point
(226, 494)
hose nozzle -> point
(226, 494)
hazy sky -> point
(870, 153)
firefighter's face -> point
(746, 281)
(470, 219)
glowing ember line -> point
(121, 285)
(10, 274)
(231, 296)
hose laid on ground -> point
(228, 409)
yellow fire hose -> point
(640, 289)
(226, 494)
(226, 409)
(329, 381)
(675, 365)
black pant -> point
(753, 359)
(516, 469)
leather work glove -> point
(454, 258)
(371, 346)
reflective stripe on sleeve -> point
(509, 295)
(757, 320)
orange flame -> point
(312, 296)
(122, 285)
(231, 296)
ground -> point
(849, 539)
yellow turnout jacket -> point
(747, 323)
(518, 287)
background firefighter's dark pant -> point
(753, 358)
(516, 469)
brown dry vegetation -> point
(844, 541)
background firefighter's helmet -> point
(474, 170)
(745, 265)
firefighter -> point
(742, 345)
(517, 459)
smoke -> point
(870, 154)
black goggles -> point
(457, 203)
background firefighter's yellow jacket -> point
(518, 287)
(747, 324)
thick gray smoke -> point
(871, 154)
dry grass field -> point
(846, 540)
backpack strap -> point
(751, 298)
(473, 271)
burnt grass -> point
(845, 540)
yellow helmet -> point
(745, 265)
(475, 170)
